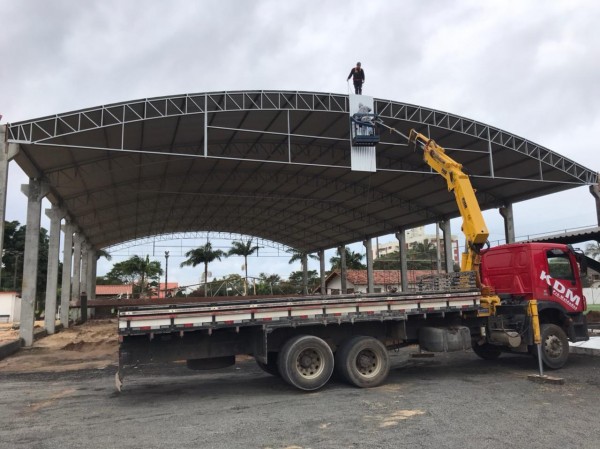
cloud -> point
(527, 67)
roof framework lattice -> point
(275, 165)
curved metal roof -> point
(273, 164)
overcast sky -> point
(528, 67)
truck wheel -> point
(555, 346)
(306, 362)
(363, 362)
(487, 351)
(271, 366)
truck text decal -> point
(560, 291)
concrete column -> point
(305, 273)
(509, 223)
(76, 280)
(92, 271)
(595, 191)
(438, 249)
(322, 271)
(401, 236)
(83, 293)
(343, 270)
(447, 232)
(36, 190)
(55, 214)
(7, 152)
(65, 293)
(370, 277)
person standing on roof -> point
(358, 77)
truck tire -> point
(305, 362)
(363, 362)
(555, 346)
(487, 351)
(271, 366)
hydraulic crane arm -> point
(474, 227)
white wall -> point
(592, 295)
(10, 304)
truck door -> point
(560, 282)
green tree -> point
(12, 262)
(422, 255)
(295, 282)
(302, 256)
(142, 273)
(203, 255)
(353, 261)
(245, 249)
(268, 284)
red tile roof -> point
(113, 290)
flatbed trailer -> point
(443, 315)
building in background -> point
(416, 235)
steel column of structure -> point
(83, 293)
(91, 273)
(343, 270)
(447, 233)
(55, 214)
(7, 152)
(595, 191)
(78, 241)
(368, 244)
(509, 222)
(65, 286)
(35, 191)
(401, 236)
(305, 273)
(322, 271)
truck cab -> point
(547, 272)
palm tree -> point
(353, 260)
(245, 249)
(298, 255)
(204, 254)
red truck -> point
(503, 300)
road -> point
(449, 401)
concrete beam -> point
(509, 222)
(65, 293)
(7, 152)
(343, 269)
(370, 277)
(447, 233)
(56, 214)
(35, 191)
(401, 236)
(322, 271)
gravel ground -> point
(449, 401)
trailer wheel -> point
(306, 362)
(271, 366)
(363, 362)
(555, 346)
(486, 351)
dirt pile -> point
(93, 345)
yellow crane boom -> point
(473, 227)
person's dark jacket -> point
(358, 76)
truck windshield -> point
(559, 266)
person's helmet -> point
(358, 63)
